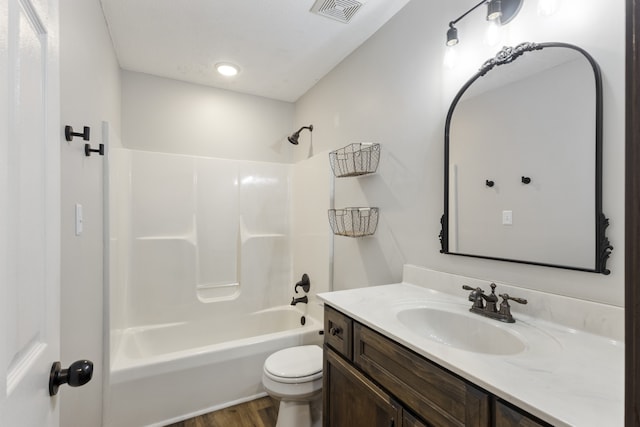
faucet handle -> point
(506, 297)
(475, 296)
(505, 308)
(305, 284)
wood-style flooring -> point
(261, 412)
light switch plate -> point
(79, 219)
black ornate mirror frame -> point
(505, 56)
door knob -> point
(79, 373)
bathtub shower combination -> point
(200, 282)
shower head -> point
(294, 138)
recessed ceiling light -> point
(226, 69)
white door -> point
(29, 211)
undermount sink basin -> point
(461, 329)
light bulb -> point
(450, 57)
(493, 34)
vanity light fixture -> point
(498, 11)
(452, 35)
(227, 69)
(494, 10)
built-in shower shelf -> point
(188, 238)
(357, 159)
(266, 235)
(353, 222)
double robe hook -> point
(69, 134)
(524, 180)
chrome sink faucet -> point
(491, 310)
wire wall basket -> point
(355, 159)
(353, 222)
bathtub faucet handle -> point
(305, 283)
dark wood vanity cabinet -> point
(370, 380)
(506, 416)
(435, 395)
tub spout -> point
(303, 299)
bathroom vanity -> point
(357, 359)
(386, 364)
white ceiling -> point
(281, 47)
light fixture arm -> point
(502, 11)
(455, 21)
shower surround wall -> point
(195, 235)
(200, 281)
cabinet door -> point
(350, 399)
(510, 417)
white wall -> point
(311, 248)
(165, 115)
(90, 94)
(395, 90)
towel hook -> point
(69, 133)
(88, 150)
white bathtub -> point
(166, 373)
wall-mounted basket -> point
(353, 222)
(355, 159)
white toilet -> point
(294, 376)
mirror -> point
(523, 161)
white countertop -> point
(564, 376)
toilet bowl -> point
(294, 376)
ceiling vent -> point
(340, 10)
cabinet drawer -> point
(507, 416)
(434, 394)
(338, 332)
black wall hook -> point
(526, 180)
(88, 150)
(69, 133)
(489, 183)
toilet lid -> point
(295, 362)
